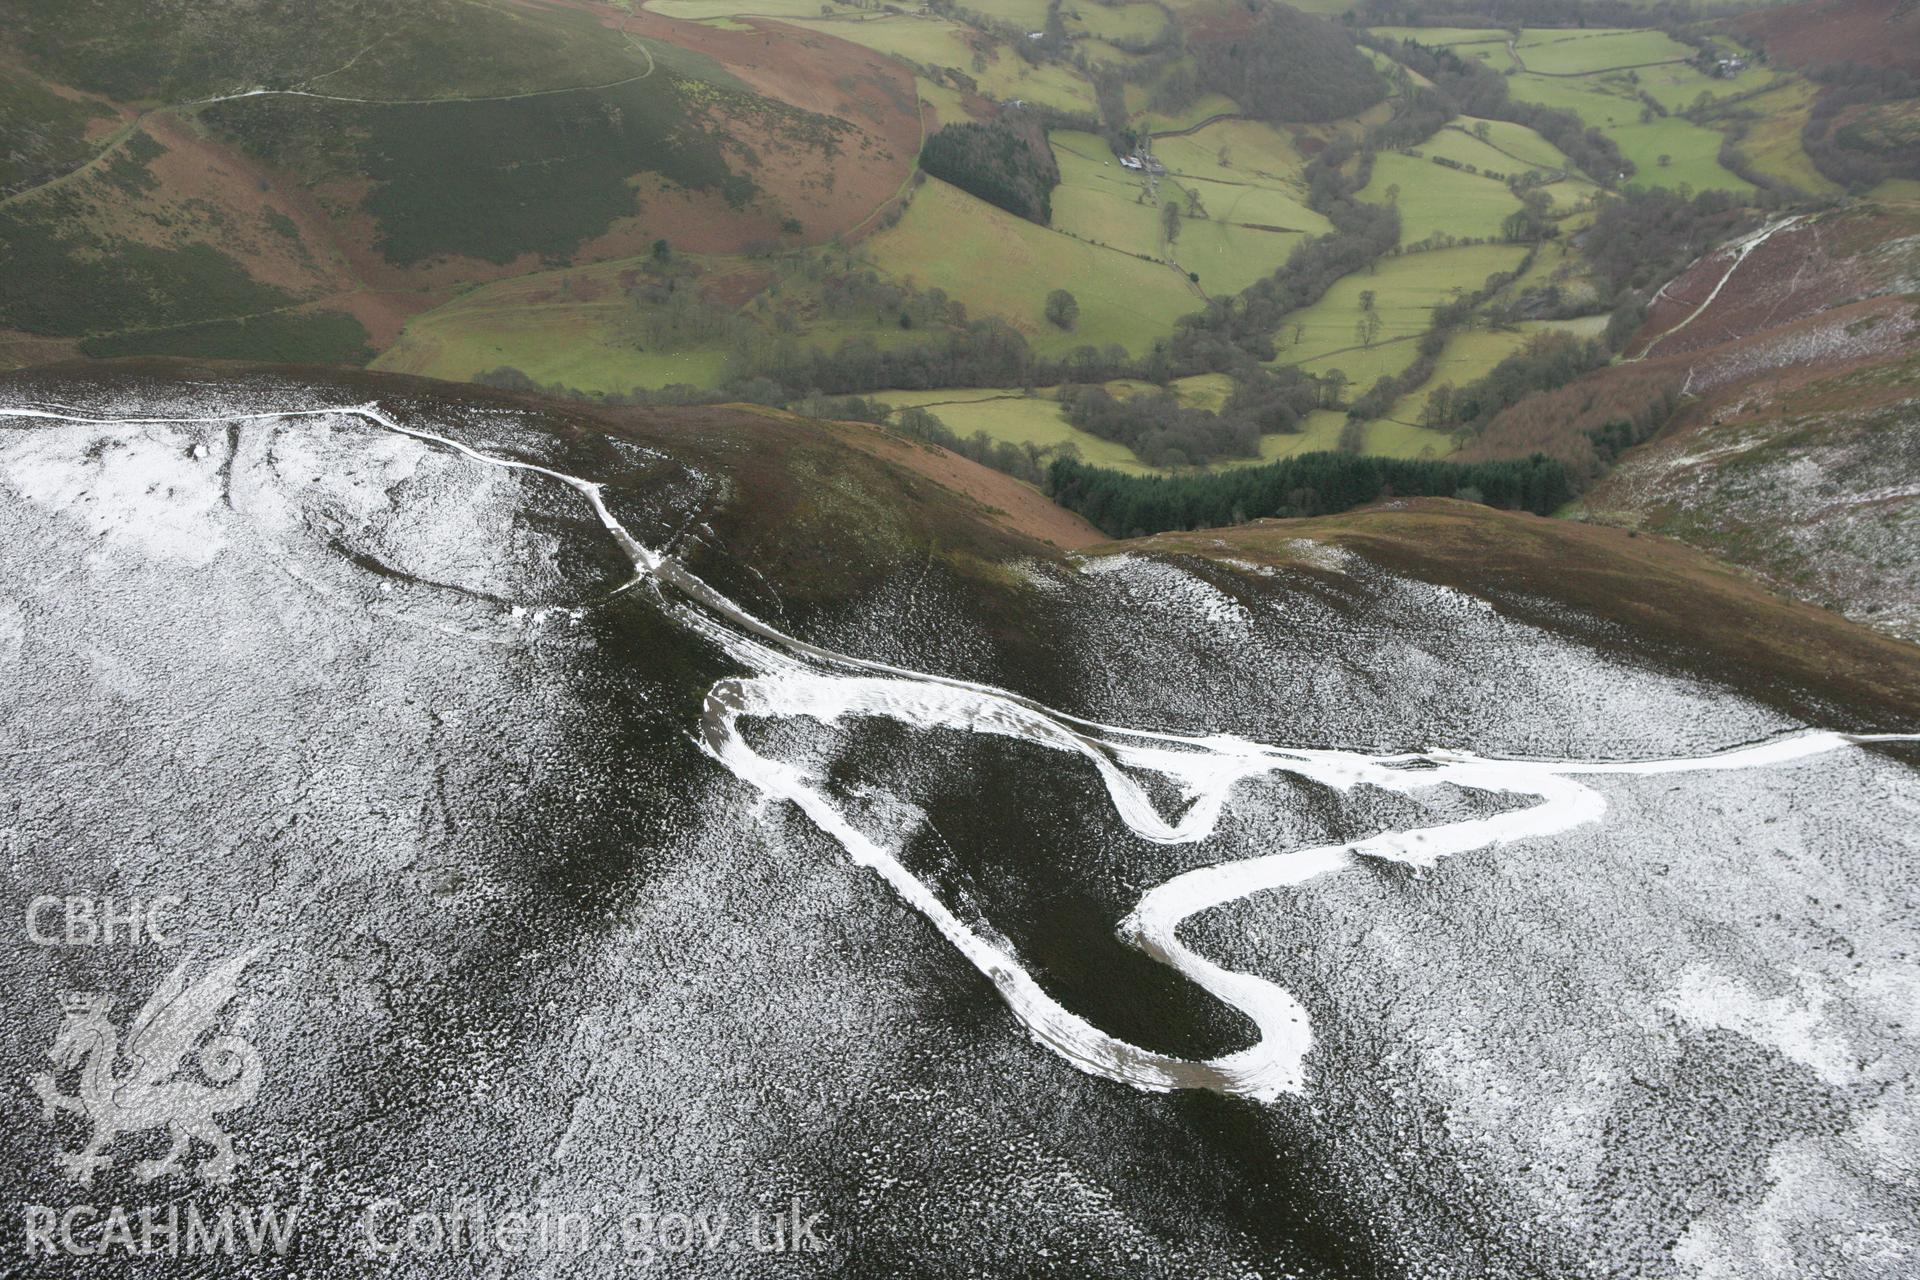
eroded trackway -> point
(787, 678)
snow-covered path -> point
(1741, 249)
(788, 678)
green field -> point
(1558, 263)
(1246, 175)
(1772, 142)
(1588, 97)
(1693, 150)
(1112, 22)
(1006, 413)
(1139, 98)
(949, 107)
(1099, 201)
(1677, 87)
(1530, 153)
(1362, 366)
(1693, 155)
(1407, 287)
(580, 328)
(1235, 151)
(998, 264)
(1251, 223)
(1569, 193)
(577, 345)
(1518, 141)
(1228, 257)
(1583, 52)
(1435, 200)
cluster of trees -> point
(857, 295)
(1585, 424)
(1311, 484)
(1000, 163)
(1023, 460)
(1288, 67)
(1643, 239)
(1856, 155)
(1158, 428)
(1162, 432)
(1548, 362)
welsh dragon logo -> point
(153, 1091)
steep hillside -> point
(1810, 481)
(579, 771)
(1878, 33)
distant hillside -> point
(1876, 33)
(295, 181)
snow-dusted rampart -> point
(789, 678)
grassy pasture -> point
(947, 103)
(1469, 356)
(998, 264)
(1139, 102)
(1519, 142)
(578, 344)
(1693, 154)
(1435, 199)
(1006, 413)
(1461, 147)
(1252, 206)
(1591, 98)
(1406, 287)
(1558, 263)
(1363, 366)
(1676, 87)
(1112, 22)
(1508, 146)
(1097, 200)
(578, 327)
(1236, 151)
(1772, 142)
(1011, 415)
(1564, 53)
(1568, 193)
(1228, 257)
